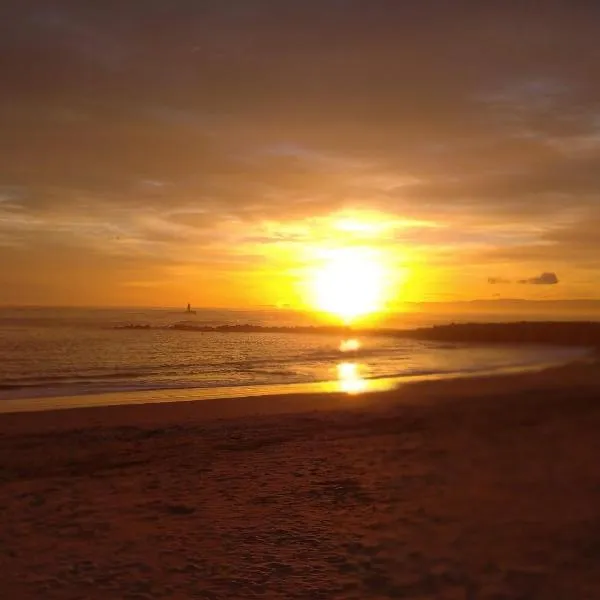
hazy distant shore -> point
(473, 488)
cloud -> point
(178, 136)
(543, 279)
(548, 278)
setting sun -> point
(349, 283)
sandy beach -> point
(486, 488)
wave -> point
(15, 383)
(85, 387)
(98, 387)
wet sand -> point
(484, 488)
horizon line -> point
(291, 308)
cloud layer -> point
(186, 142)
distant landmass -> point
(508, 305)
(574, 333)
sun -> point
(349, 283)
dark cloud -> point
(366, 79)
(543, 279)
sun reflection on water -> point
(349, 345)
(350, 379)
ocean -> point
(62, 353)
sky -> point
(155, 153)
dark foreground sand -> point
(458, 490)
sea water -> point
(48, 352)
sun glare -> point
(349, 283)
(350, 345)
(350, 379)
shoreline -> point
(420, 390)
(583, 337)
(466, 488)
(376, 385)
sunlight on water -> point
(71, 352)
(350, 345)
(350, 379)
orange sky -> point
(215, 153)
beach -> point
(465, 489)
